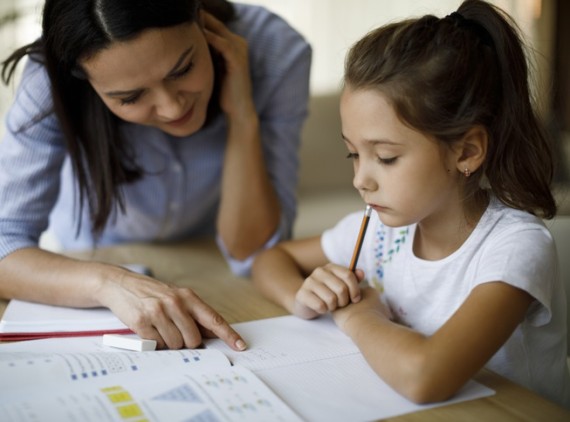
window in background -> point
(19, 25)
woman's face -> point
(162, 78)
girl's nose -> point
(363, 179)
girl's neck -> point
(438, 238)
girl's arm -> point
(429, 369)
(173, 316)
(296, 275)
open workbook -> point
(293, 369)
(102, 385)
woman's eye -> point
(390, 160)
(352, 156)
(182, 72)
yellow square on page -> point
(120, 397)
(129, 411)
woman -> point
(162, 122)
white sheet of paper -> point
(320, 373)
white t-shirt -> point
(507, 245)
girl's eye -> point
(130, 100)
(387, 161)
(182, 72)
(352, 156)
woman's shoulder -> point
(32, 100)
(270, 37)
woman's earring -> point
(467, 172)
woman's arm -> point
(173, 316)
(249, 209)
(257, 194)
(433, 368)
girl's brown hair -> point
(444, 76)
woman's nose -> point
(170, 105)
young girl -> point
(447, 149)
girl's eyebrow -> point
(172, 72)
(372, 142)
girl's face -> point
(400, 172)
(162, 78)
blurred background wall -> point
(331, 26)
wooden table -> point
(199, 265)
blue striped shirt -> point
(179, 194)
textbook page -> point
(87, 382)
(320, 373)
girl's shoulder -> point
(501, 220)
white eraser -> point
(129, 342)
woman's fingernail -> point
(356, 299)
(240, 344)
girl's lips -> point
(378, 208)
(183, 119)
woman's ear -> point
(472, 150)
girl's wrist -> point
(358, 321)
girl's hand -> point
(173, 316)
(369, 305)
(236, 93)
(326, 289)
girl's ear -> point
(472, 150)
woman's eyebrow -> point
(172, 72)
(180, 61)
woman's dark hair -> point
(444, 76)
(76, 29)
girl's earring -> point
(467, 172)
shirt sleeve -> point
(243, 267)
(31, 155)
(338, 242)
(524, 257)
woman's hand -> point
(369, 305)
(326, 289)
(236, 94)
(173, 316)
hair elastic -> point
(475, 27)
